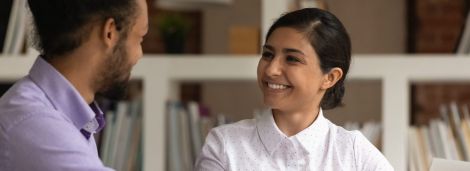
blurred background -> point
(187, 29)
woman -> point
(304, 62)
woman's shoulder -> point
(353, 137)
(343, 135)
(366, 155)
(348, 139)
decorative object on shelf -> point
(173, 29)
(244, 40)
(154, 42)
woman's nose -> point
(274, 67)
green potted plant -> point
(173, 29)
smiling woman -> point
(304, 63)
(289, 73)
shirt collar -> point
(271, 136)
(97, 123)
(61, 93)
(268, 131)
(314, 136)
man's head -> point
(63, 25)
(114, 28)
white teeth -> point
(277, 86)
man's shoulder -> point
(23, 93)
(22, 100)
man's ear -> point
(330, 78)
(110, 33)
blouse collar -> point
(309, 138)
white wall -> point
(375, 26)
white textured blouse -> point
(258, 144)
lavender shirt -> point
(40, 121)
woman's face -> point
(289, 73)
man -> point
(47, 118)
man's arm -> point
(46, 142)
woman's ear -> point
(331, 78)
(110, 34)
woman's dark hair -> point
(330, 40)
(61, 26)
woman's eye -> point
(292, 59)
(267, 55)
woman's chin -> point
(273, 104)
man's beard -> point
(115, 73)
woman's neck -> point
(291, 123)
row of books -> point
(121, 140)
(188, 125)
(14, 17)
(446, 137)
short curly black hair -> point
(330, 40)
(61, 26)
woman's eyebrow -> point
(290, 50)
(269, 47)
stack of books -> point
(447, 137)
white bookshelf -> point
(160, 73)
